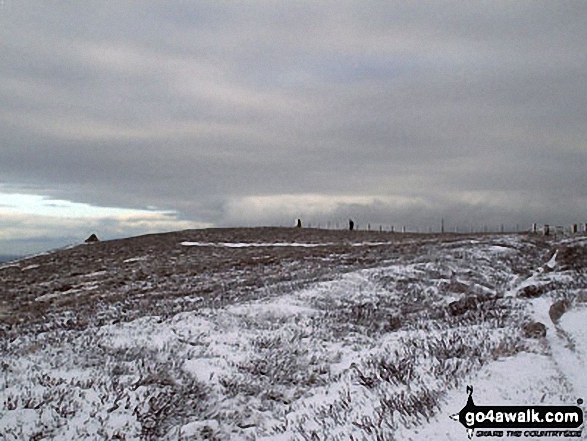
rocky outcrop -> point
(459, 307)
(531, 291)
(534, 330)
(557, 309)
(468, 303)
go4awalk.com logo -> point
(520, 421)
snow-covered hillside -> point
(277, 334)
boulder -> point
(534, 330)
(468, 303)
(531, 291)
(557, 309)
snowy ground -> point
(371, 351)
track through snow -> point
(555, 374)
(557, 377)
(375, 353)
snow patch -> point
(135, 259)
(552, 262)
(500, 249)
(569, 349)
(30, 267)
(248, 245)
(522, 379)
(205, 369)
(282, 306)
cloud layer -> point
(32, 223)
(253, 112)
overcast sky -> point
(130, 117)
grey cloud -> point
(189, 106)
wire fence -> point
(442, 228)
